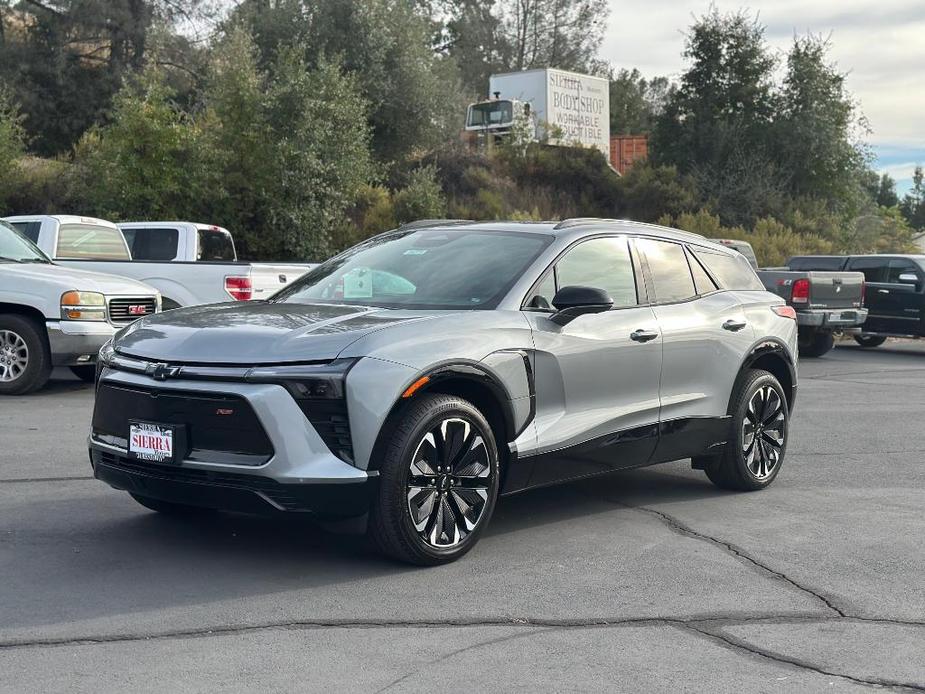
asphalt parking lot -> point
(649, 580)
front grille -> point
(271, 489)
(216, 428)
(329, 418)
(128, 310)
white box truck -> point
(566, 107)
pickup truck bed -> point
(824, 302)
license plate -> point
(152, 442)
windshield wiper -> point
(4, 259)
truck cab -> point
(178, 242)
(70, 237)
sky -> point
(879, 44)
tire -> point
(415, 526)
(168, 507)
(869, 340)
(815, 344)
(744, 467)
(87, 374)
(25, 359)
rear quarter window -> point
(84, 241)
(732, 271)
(28, 229)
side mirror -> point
(571, 302)
(909, 277)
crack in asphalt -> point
(685, 530)
(742, 645)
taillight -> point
(785, 311)
(239, 288)
(799, 292)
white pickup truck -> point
(188, 263)
(57, 316)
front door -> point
(597, 376)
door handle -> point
(734, 325)
(883, 291)
(643, 335)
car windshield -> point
(422, 269)
(16, 248)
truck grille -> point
(128, 310)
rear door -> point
(879, 300)
(597, 376)
(705, 335)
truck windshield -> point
(490, 113)
(422, 269)
(91, 241)
(16, 248)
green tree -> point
(422, 198)
(12, 144)
(386, 44)
(913, 203)
(147, 162)
(635, 102)
(816, 126)
(714, 126)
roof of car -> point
(61, 218)
(576, 227)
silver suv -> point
(421, 374)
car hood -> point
(254, 332)
(66, 279)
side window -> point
(874, 269)
(671, 275)
(90, 241)
(731, 271)
(902, 267)
(215, 244)
(604, 263)
(702, 281)
(542, 297)
(28, 229)
(154, 244)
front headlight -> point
(83, 306)
(306, 381)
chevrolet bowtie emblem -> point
(161, 371)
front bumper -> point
(77, 342)
(836, 319)
(300, 474)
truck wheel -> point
(87, 374)
(760, 419)
(869, 340)
(25, 360)
(815, 344)
(438, 482)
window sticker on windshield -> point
(358, 284)
(415, 251)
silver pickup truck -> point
(188, 263)
(825, 302)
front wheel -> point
(438, 482)
(869, 340)
(25, 360)
(758, 442)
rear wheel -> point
(815, 343)
(438, 482)
(168, 507)
(760, 419)
(25, 360)
(869, 340)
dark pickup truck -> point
(895, 296)
(825, 299)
